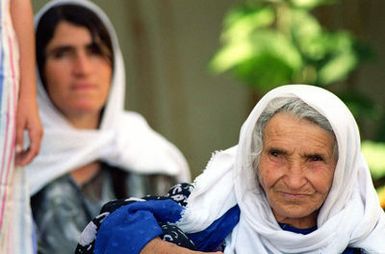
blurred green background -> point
(195, 68)
(267, 43)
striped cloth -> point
(15, 222)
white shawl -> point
(124, 138)
(351, 215)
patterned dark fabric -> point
(171, 233)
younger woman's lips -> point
(83, 86)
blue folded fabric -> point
(213, 237)
(129, 228)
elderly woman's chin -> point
(293, 214)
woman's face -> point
(77, 75)
(296, 168)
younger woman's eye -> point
(95, 50)
(59, 52)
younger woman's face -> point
(78, 76)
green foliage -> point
(269, 43)
(360, 105)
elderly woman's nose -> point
(295, 177)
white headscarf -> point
(124, 139)
(350, 216)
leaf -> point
(231, 55)
(242, 22)
(271, 42)
(310, 4)
(308, 35)
(266, 59)
(269, 72)
(340, 60)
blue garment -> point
(212, 237)
(130, 227)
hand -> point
(158, 246)
(28, 119)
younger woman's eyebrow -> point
(58, 49)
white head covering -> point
(350, 216)
(124, 139)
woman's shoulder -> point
(57, 191)
(128, 183)
(58, 199)
(134, 118)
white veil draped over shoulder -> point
(350, 216)
(124, 139)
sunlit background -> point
(195, 68)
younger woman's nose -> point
(82, 64)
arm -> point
(27, 111)
(158, 246)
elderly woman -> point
(93, 150)
(296, 183)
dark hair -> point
(79, 16)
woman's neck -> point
(85, 121)
(84, 174)
(300, 223)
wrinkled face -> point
(296, 168)
(77, 75)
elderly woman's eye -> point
(315, 158)
(275, 153)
